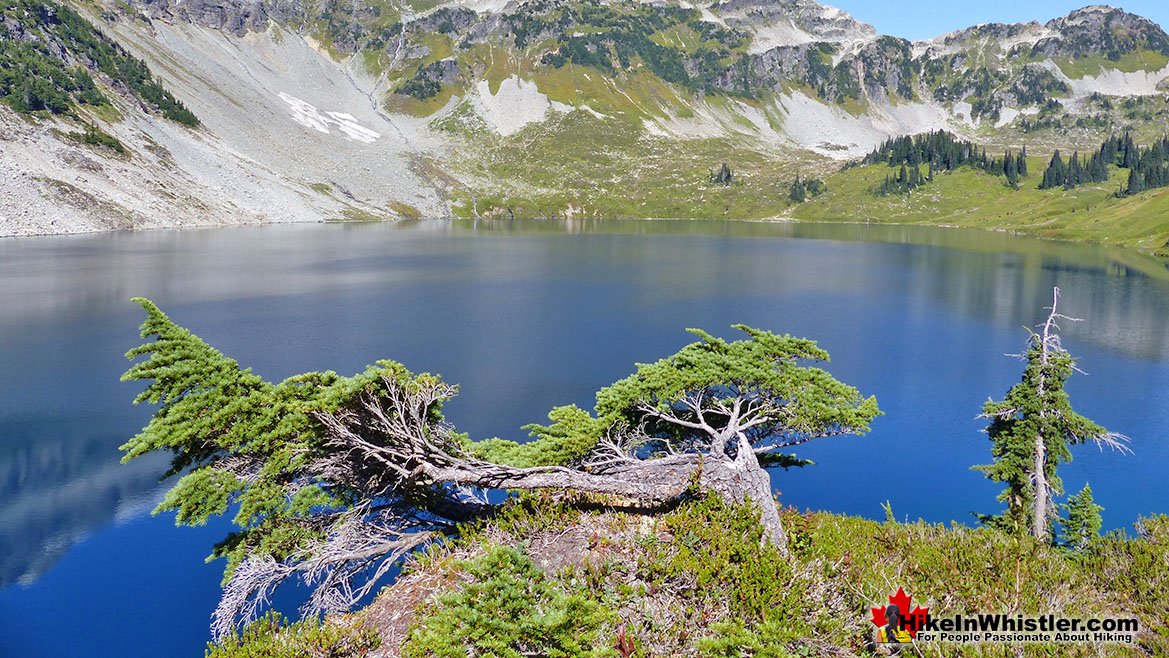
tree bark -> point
(1039, 512)
(415, 458)
(742, 479)
(652, 482)
(649, 482)
(1039, 517)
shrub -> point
(509, 610)
(95, 136)
(271, 637)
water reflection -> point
(58, 486)
(980, 273)
(529, 315)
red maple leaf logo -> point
(912, 621)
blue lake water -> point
(526, 316)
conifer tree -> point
(1075, 172)
(332, 479)
(1031, 431)
(1136, 183)
(1011, 171)
(1083, 523)
(797, 193)
(1022, 164)
(724, 175)
(1130, 159)
(1055, 174)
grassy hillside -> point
(550, 578)
(579, 166)
(972, 198)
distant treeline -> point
(939, 151)
(1147, 167)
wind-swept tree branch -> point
(334, 479)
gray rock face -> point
(783, 63)
(884, 66)
(1100, 29)
(824, 23)
(484, 30)
(416, 52)
(993, 31)
(232, 16)
(444, 71)
(446, 20)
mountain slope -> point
(381, 108)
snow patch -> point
(593, 112)
(516, 104)
(307, 115)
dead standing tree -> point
(1032, 429)
(336, 478)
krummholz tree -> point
(1031, 431)
(332, 479)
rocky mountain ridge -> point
(391, 108)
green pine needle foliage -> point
(571, 435)
(42, 74)
(765, 364)
(1082, 527)
(212, 410)
(1033, 413)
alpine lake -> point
(525, 316)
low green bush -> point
(272, 637)
(510, 609)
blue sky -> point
(923, 19)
